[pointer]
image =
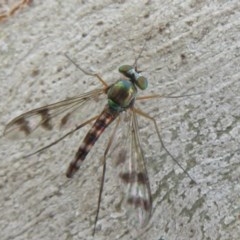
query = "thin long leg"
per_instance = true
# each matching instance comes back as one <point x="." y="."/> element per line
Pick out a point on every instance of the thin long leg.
<point x="138" y="111"/>
<point x="15" y="8"/>
<point x="64" y="136"/>
<point x="88" y="73"/>
<point x="165" y="96"/>
<point x="144" y="45"/>
<point x="103" y="174"/>
<point x="19" y="5"/>
<point x="149" y="97"/>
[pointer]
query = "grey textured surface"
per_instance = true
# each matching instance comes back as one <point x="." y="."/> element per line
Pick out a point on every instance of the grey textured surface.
<point x="194" y="47"/>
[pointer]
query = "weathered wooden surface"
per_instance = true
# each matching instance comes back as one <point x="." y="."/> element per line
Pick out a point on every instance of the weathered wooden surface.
<point x="194" y="47"/>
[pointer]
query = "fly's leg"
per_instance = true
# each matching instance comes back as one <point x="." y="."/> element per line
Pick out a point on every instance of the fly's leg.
<point x="61" y="138"/>
<point x="88" y="73"/>
<point x="110" y="141"/>
<point x="143" y="114"/>
<point x="15" y="8"/>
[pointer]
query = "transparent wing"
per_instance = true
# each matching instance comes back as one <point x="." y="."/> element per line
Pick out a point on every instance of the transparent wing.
<point x="133" y="172"/>
<point x="55" y="116"/>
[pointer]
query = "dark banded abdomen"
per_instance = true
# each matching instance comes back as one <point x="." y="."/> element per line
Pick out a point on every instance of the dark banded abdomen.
<point x="104" y="119"/>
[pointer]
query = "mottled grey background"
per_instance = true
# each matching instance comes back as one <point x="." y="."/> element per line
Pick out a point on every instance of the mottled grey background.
<point x="193" y="48"/>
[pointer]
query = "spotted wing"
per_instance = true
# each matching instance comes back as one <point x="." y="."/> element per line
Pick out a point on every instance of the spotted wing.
<point x="51" y="117"/>
<point x="133" y="172"/>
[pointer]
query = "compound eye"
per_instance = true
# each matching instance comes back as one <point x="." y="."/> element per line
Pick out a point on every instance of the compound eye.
<point x="126" y="70"/>
<point x="142" y="82"/>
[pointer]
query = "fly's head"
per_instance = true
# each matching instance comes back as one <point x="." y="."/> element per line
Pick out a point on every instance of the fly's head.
<point x="135" y="76"/>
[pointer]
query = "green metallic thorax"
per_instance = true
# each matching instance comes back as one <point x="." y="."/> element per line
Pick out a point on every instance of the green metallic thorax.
<point x="121" y="95"/>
